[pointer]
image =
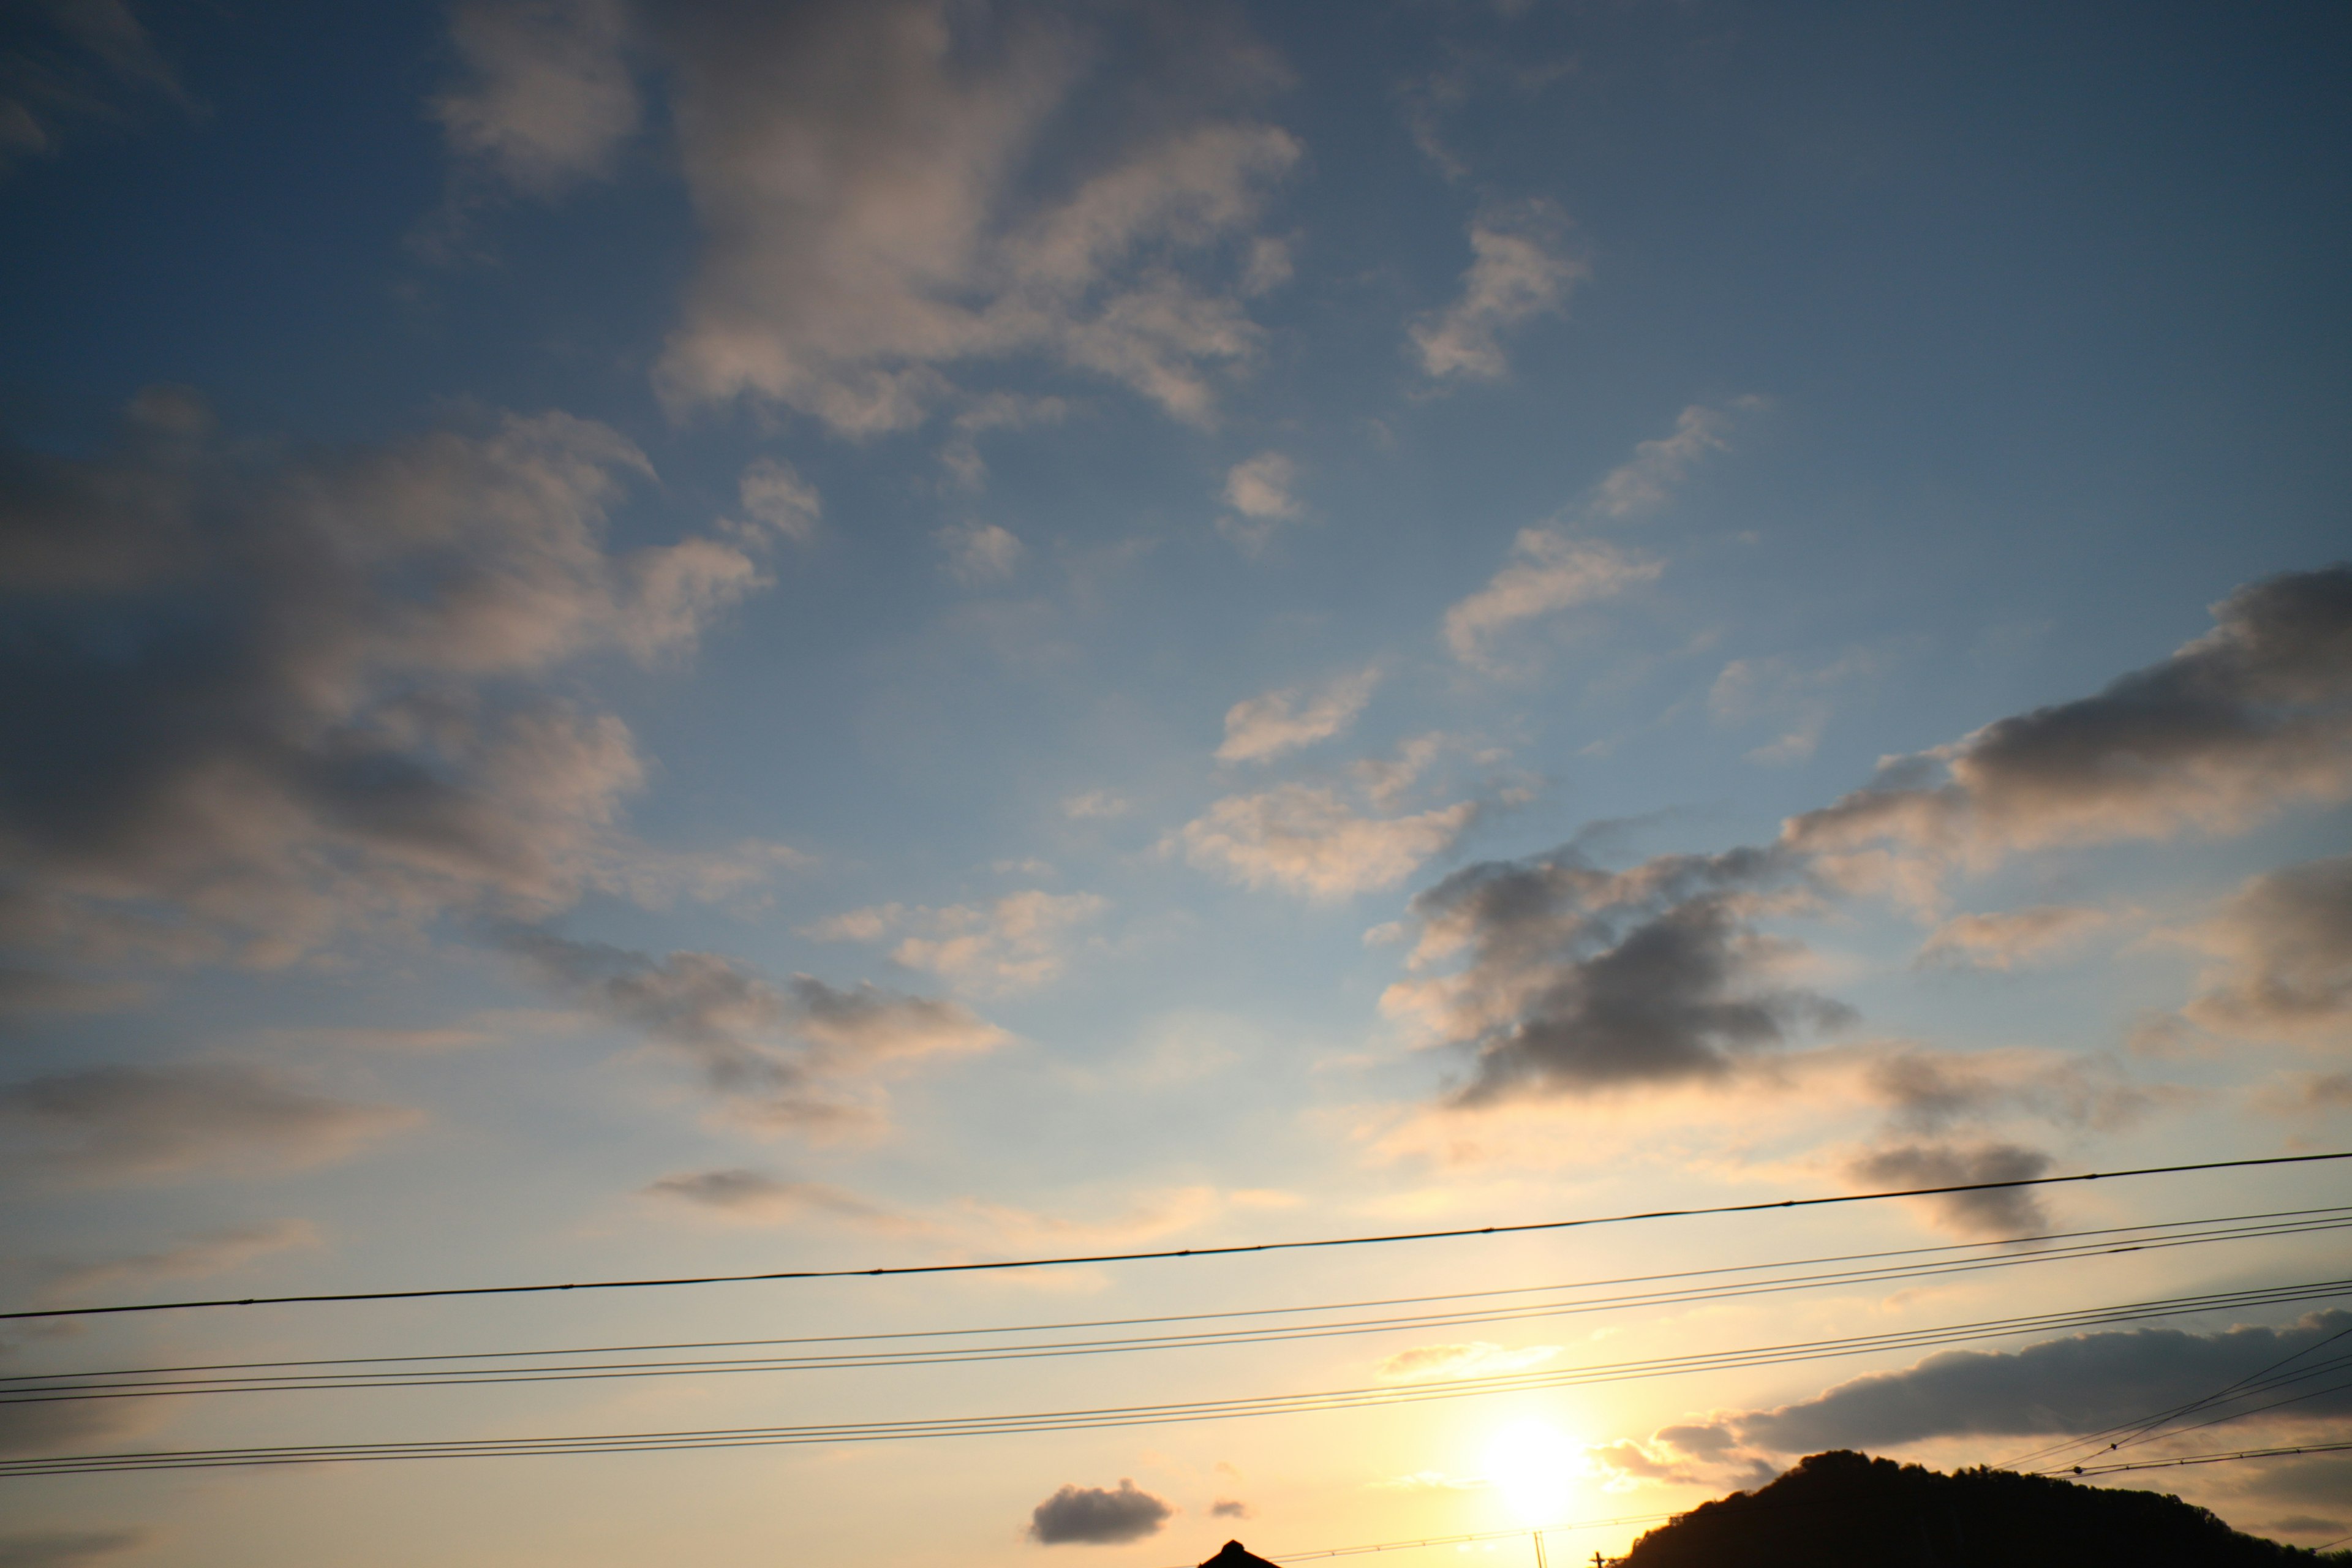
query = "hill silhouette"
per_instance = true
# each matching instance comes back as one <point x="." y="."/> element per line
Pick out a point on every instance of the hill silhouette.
<point x="1842" y="1510"/>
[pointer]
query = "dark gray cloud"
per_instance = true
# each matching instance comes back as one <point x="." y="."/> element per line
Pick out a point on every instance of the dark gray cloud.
<point x="2014" y="1211"/>
<point x="756" y="1196"/>
<point x="1580" y="979"/>
<point x="65" y="1548"/>
<point x="69" y="1425"/>
<point x="2255" y="714"/>
<point x="1928" y="1091"/>
<point x="248" y="698"/>
<point x="2086" y="1382"/>
<point x="1097" y="1516"/>
<point x="2283" y="947"/>
<point x="114" y="1122"/>
<point x="803" y="1053"/>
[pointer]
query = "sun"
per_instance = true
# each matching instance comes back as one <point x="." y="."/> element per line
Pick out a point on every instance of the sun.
<point x="1535" y="1467"/>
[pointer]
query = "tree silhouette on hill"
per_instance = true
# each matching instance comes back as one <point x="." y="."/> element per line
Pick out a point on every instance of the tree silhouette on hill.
<point x="1842" y="1510"/>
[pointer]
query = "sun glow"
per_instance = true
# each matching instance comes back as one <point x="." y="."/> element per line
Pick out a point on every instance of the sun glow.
<point x="1535" y="1467"/>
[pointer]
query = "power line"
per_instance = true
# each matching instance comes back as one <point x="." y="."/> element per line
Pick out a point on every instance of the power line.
<point x="412" y="1295"/>
<point x="408" y="1372"/>
<point x="2210" y="1458"/>
<point x="1159" y="1414"/>
<point x="2147" y="1427"/>
<point x="2121" y="1239"/>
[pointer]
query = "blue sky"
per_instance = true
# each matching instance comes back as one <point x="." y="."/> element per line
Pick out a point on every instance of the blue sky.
<point x="696" y="637"/>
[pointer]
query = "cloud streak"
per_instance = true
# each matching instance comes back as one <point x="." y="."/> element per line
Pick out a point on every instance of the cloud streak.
<point x="804" y="1056"/>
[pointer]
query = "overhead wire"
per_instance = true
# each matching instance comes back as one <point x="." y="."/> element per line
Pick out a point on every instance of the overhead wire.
<point x="409" y="1372"/>
<point x="1168" y="1253"/>
<point x="1092" y="1418"/>
<point x="2146" y="1428"/>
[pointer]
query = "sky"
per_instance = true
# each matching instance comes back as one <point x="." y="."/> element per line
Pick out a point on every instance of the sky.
<point x="677" y="637"/>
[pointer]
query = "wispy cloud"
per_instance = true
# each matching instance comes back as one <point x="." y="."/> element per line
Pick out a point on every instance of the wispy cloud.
<point x="1522" y="268"/>
<point x="114" y="1123"/>
<point x="1260" y="728"/>
<point x="1549" y="572"/>
<point x="1017" y="942"/>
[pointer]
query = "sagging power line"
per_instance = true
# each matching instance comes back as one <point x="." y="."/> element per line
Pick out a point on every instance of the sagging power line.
<point x="1164" y="1254"/>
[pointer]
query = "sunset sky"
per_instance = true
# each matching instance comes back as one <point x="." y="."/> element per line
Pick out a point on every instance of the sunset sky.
<point x="657" y="638"/>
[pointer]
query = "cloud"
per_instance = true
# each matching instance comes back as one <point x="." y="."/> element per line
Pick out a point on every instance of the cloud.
<point x="996" y="410"/>
<point x="804" y="1054"/>
<point x="1647" y="480"/>
<point x="1549" y="572"/>
<point x="2009" y="938"/>
<point x="277" y="697"/>
<point x="1308" y="839"/>
<point x="1096" y="805"/>
<point x="548" y="95"/>
<point x="1097" y="1516"/>
<point x="218" y="1252"/>
<point x="2282" y="957"/>
<point x="1932" y="1091"/>
<point x="1521" y="270"/>
<point x="1475" y="1359"/>
<point x="1259" y="727"/>
<point x="74" y="64"/>
<point x="2250" y="718"/>
<point x="773" y="491"/>
<point x="1229" y="1508"/>
<point x="980" y="553"/>
<point x="874" y="212"/>
<point x="2002" y="1212"/>
<point x="111" y="1123"/>
<point x="65" y="1548"/>
<point x="1260" y="490"/>
<point x="2082" y="1384"/>
<point x="1793" y="694"/>
<point x="755" y="1197"/>
<point x="1017" y="942"/>
<point x="1579" y="979"/>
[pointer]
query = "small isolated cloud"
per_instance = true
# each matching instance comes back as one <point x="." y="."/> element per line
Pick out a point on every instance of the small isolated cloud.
<point x="1521" y="270"/>
<point x="804" y="1054"/>
<point x="1229" y="1508"/>
<point x="1017" y="942"/>
<point x="1983" y="1215"/>
<point x="547" y="96"/>
<point x="773" y="491"/>
<point x="2013" y="936"/>
<point x="116" y="1122"/>
<point x="2251" y="717"/>
<point x="978" y="553"/>
<point x="1260" y="490"/>
<point x="2282" y="948"/>
<point x="1580" y="979"/>
<point x="756" y="1197"/>
<point x="1309" y="840"/>
<point x="1549" y="572"/>
<point x="1259" y="727"/>
<point x="66" y="1548"/>
<point x="1096" y="805"/>
<point x="1475" y="1359"/>
<point x="1097" y="1516"/>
